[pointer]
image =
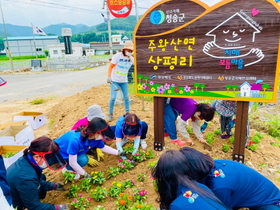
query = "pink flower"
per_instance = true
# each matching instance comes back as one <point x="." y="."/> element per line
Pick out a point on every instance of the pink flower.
<point x="132" y="182"/>
<point x="187" y="88"/>
<point x="120" y="160"/>
<point x="75" y="200"/>
<point x="89" y="199"/>
<point x="172" y="85"/>
<point x="166" y="86"/>
<point x="144" y="86"/>
<point x="151" y="83"/>
<point x="122" y="166"/>
<point x="160" y="89"/>
<point x="80" y="195"/>
<point x="143" y="192"/>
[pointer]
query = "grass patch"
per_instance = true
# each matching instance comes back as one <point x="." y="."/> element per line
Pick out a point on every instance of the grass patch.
<point x="38" y="101"/>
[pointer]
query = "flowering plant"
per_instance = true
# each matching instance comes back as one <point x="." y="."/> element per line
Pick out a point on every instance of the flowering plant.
<point x="128" y="148"/>
<point x="124" y="201"/>
<point x="151" y="164"/>
<point x="112" y="172"/>
<point x="97" y="177"/>
<point x="139" y="194"/>
<point x="99" y="194"/>
<point x="80" y="202"/>
<point x="141" y="177"/>
<point x="128" y="183"/>
<point x="73" y="191"/>
<point x="149" y="154"/>
<point x="116" y="189"/>
<point x="85" y="184"/>
<point x="138" y="205"/>
<point x="125" y="165"/>
<point x="69" y="176"/>
<point x="139" y="156"/>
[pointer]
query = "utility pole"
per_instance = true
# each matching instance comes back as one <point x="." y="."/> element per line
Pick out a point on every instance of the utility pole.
<point x="7" y="42"/>
<point x="109" y="27"/>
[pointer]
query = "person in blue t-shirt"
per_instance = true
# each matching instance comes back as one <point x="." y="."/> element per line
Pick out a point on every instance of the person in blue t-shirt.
<point x="75" y="143"/>
<point x="5" y="194"/>
<point x="178" y="192"/>
<point x="129" y="126"/>
<point x="235" y="184"/>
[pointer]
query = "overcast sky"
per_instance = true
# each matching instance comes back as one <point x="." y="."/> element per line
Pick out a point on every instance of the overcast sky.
<point x="43" y="13"/>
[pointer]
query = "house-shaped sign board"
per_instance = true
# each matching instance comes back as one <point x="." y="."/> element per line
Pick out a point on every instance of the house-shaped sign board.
<point x="229" y="51"/>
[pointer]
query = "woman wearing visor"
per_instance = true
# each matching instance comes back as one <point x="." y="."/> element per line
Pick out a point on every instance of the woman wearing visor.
<point x="75" y="143"/>
<point x="130" y="127"/>
<point x="28" y="184"/>
<point x="176" y="190"/>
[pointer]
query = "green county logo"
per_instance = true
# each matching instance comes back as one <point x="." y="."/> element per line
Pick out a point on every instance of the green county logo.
<point x="157" y="17"/>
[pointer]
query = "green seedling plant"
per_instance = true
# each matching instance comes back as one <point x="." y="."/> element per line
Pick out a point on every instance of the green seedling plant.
<point x="81" y="202"/>
<point x="278" y="171"/>
<point x="139" y="157"/>
<point x="99" y="194"/>
<point x="149" y="154"/>
<point x="262" y="165"/>
<point x="125" y="165"/>
<point x="97" y="177"/>
<point x="141" y="206"/>
<point x="253" y="147"/>
<point x="9" y="154"/>
<point x="218" y="132"/>
<point x="73" y="191"/>
<point x="128" y="148"/>
<point x="190" y="131"/>
<point x="124" y="201"/>
<point x="141" y="177"/>
<point x="112" y="172"/>
<point x="85" y="184"/>
<point x="255" y="139"/>
<point x="128" y="183"/>
<point x="99" y="208"/>
<point x="231" y="139"/>
<point x="140" y="194"/>
<point x="116" y="189"/>
<point x="210" y="138"/>
<point x="152" y="164"/>
<point x="260" y="135"/>
<point x="69" y="176"/>
<point x="226" y="148"/>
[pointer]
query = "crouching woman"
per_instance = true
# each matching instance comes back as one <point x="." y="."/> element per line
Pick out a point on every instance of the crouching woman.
<point x="28" y="184"/>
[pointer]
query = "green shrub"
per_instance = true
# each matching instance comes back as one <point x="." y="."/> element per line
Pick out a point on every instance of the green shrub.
<point x="38" y="101"/>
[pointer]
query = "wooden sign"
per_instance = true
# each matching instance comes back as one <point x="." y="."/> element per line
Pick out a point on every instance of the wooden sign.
<point x="120" y="8"/>
<point x="229" y="51"/>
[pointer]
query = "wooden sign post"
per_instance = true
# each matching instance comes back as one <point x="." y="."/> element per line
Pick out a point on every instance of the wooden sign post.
<point x="228" y="51"/>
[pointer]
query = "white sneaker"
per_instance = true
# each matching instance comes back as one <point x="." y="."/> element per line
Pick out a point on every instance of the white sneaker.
<point x="143" y="144"/>
<point x="124" y="141"/>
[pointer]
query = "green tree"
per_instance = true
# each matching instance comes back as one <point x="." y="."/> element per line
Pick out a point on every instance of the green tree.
<point x="234" y="87"/>
<point x="146" y="79"/>
<point x="46" y="53"/>
<point x="202" y="86"/>
<point x="140" y="77"/>
<point x="196" y="85"/>
<point x="228" y="87"/>
<point x="265" y="87"/>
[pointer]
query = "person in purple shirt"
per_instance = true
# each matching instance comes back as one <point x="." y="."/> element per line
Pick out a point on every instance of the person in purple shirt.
<point x="235" y="184"/>
<point x="185" y="108"/>
<point x="176" y="190"/>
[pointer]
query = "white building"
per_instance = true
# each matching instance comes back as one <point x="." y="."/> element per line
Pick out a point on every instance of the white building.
<point x="22" y="46"/>
<point x="58" y="50"/>
<point x="117" y="38"/>
<point x="245" y="89"/>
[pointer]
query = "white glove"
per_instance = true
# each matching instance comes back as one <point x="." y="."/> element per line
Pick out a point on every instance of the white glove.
<point x="109" y="80"/>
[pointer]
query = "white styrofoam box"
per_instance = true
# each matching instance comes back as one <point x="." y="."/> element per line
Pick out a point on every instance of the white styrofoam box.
<point x="36" y="119"/>
<point x="17" y="135"/>
<point x="12" y="148"/>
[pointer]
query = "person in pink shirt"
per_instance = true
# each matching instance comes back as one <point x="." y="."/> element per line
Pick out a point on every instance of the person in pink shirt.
<point x="93" y="111"/>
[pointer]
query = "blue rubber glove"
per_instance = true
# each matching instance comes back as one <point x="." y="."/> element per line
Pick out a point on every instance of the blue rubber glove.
<point x="203" y="127"/>
<point x="231" y="124"/>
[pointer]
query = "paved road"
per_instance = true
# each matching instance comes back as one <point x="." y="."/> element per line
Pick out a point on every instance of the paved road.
<point x="43" y="84"/>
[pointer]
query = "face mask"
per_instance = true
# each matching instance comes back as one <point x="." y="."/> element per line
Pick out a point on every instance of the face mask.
<point x="128" y="53"/>
<point x="43" y="165"/>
